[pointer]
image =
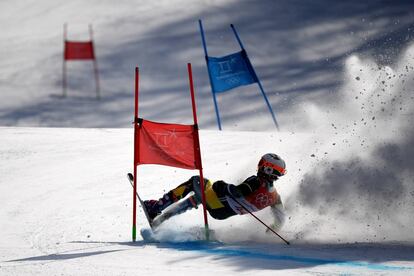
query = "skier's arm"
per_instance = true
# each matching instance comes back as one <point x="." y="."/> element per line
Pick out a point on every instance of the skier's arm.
<point x="247" y="187"/>
<point x="234" y="191"/>
<point x="278" y="213"/>
<point x="222" y="188"/>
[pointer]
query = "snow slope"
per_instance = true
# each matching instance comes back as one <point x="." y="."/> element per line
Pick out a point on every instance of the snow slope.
<point x="66" y="209"/>
<point x="298" y="50"/>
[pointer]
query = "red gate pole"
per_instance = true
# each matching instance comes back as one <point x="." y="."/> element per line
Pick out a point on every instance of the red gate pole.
<point x="134" y="204"/>
<point x="198" y="151"/>
<point x="95" y="64"/>
<point x="64" y="60"/>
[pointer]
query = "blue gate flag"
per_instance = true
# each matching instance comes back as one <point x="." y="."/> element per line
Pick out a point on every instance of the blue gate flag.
<point x="230" y="71"/>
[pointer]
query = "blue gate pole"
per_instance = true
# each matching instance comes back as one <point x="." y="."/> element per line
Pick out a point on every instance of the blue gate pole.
<point x="258" y="80"/>
<point x="208" y="70"/>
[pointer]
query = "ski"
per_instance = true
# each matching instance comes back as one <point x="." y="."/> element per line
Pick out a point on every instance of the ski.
<point x="131" y="181"/>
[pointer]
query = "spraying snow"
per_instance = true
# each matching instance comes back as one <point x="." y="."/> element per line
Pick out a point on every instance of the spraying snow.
<point x="360" y="186"/>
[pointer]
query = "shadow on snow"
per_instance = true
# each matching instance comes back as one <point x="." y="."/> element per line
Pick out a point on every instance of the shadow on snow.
<point x="248" y="256"/>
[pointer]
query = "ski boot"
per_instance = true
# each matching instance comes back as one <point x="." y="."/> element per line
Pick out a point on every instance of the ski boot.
<point x="153" y="208"/>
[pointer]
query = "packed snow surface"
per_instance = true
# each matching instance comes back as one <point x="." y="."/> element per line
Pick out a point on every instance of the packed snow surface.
<point x="66" y="209"/>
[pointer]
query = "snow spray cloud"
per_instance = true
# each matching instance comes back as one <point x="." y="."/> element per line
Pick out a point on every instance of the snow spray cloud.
<point x="362" y="187"/>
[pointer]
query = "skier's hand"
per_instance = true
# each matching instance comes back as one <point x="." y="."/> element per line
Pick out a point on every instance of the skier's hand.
<point x="278" y="217"/>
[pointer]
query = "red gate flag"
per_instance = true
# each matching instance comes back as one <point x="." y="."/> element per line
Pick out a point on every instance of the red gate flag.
<point x="168" y="144"/>
<point x="79" y="50"/>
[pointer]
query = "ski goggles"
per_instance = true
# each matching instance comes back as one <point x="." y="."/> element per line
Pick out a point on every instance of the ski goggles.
<point x="273" y="169"/>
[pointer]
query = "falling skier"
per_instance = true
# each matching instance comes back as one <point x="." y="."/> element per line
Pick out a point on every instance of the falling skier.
<point x="224" y="200"/>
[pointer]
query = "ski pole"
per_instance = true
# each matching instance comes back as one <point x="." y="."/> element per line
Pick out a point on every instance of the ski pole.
<point x="268" y="227"/>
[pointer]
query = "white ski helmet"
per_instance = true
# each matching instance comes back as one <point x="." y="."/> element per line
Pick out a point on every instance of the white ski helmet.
<point x="271" y="165"/>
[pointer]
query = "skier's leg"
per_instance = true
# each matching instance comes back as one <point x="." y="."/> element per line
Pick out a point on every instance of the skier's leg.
<point x="192" y="201"/>
<point x="155" y="207"/>
<point x="176" y="209"/>
<point x="197" y="187"/>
